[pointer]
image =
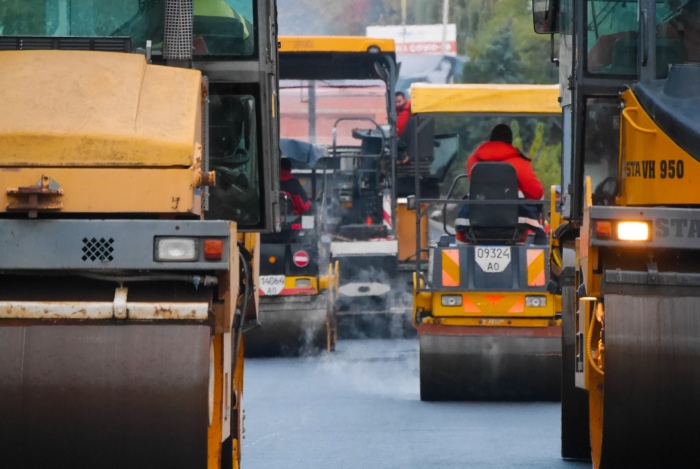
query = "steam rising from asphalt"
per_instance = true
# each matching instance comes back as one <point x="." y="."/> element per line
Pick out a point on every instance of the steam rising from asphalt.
<point x="383" y="368"/>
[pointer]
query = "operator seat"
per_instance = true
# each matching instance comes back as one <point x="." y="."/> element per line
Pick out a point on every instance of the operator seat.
<point x="493" y="223"/>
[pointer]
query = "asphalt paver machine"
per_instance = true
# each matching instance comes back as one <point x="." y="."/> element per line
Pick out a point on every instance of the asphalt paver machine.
<point x="138" y="165"/>
<point x="488" y="328"/>
<point x="338" y="94"/>
<point x="629" y="74"/>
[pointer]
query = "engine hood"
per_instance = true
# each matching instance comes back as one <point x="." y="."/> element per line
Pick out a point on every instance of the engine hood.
<point x="82" y="108"/>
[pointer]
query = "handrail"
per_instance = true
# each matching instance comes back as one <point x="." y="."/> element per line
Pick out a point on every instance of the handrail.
<point x="634" y="125"/>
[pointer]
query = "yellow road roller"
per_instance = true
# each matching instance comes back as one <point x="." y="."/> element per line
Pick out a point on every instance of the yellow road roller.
<point x="629" y="243"/>
<point x="488" y="327"/>
<point x="138" y="165"/>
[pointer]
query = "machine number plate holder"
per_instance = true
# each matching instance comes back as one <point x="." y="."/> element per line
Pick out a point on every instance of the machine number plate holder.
<point x="272" y="285"/>
<point x="492" y="259"/>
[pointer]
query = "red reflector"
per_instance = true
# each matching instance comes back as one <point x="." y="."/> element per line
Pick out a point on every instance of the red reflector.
<point x="213" y="249"/>
<point x="296" y="226"/>
<point x="603" y="229"/>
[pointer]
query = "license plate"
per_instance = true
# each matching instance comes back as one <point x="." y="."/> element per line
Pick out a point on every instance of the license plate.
<point x="272" y="285"/>
<point x="492" y="259"/>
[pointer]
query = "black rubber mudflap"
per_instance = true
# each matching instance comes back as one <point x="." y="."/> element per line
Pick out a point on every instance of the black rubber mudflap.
<point x="489" y="368"/>
<point x="104" y="396"/>
<point x="575" y="431"/>
<point x="652" y="382"/>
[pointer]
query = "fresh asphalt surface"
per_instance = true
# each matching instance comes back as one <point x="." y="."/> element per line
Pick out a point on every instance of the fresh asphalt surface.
<point x="360" y="408"/>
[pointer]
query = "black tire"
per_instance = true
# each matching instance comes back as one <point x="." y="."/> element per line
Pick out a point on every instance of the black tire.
<point x="575" y="431"/>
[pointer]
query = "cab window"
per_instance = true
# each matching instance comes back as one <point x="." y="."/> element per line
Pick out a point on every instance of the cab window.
<point x="612" y="38"/>
<point x="234" y="156"/>
<point x="677" y="34"/>
<point x="224" y="27"/>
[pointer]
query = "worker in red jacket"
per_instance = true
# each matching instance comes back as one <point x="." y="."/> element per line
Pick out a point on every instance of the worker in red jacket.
<point x="293" y="188"/>
<point x="403" y="111"/>
<point x="500" y="149"/>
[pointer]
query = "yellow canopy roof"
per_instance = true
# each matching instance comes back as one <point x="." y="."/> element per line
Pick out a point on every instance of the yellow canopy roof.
<point x="334" y="44"/>
<point x="485" y="99"/>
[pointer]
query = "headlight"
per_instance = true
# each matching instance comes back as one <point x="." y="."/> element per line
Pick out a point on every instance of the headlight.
<point x="451" y="300"/>
<point x="302" y="283"/>
<point x="176" y="249"/>
<point x="633" y="231"/>
<point x="535" y="301"/>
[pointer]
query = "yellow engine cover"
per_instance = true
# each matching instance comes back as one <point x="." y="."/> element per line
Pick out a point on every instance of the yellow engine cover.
<point x="81" y="108"/>
<point x="654" y="170"/>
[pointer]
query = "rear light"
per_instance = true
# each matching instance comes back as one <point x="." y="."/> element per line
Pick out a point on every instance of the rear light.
<point x="451" y="300"/>
<point x="296" y="226"/>
<point x="369" y="220"/>
<point x="603" y="229"/>
<point x="633" y="231"/>
<point x="302" y="283"/>
<point x="213" y="249"/>
<point x="535" y="301"/>
<point x="176" y="249"/>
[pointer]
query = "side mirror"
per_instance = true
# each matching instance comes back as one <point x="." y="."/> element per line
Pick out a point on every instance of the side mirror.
<point x="545" y="16"/>
<point x="411" y="202"/>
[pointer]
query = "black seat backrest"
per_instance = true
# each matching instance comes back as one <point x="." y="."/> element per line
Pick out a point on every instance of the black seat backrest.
<point x="493" y="181"/>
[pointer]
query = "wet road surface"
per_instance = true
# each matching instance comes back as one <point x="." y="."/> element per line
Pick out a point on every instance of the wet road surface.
<point x="360" y="408"/>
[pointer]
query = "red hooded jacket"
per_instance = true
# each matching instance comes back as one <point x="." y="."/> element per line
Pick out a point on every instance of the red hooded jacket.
<point x="501" y="152"/>
<point x="402" y="115"/>
<point x="293" y="188"/>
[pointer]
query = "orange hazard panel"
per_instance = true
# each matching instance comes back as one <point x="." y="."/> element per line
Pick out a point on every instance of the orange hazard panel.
<point x="450" y="268"/>
<point x="535" y="267"/>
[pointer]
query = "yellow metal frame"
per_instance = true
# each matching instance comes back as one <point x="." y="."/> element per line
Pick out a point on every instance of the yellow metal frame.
<point x="347" y="44"/>
<point x="492" y="304"/>
<point x="494" y="322"/>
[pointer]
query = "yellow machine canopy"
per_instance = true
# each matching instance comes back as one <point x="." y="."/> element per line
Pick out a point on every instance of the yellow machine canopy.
<point x="346" y="44"/>
<point x="334" y="57"/>
<point x="485" y="99"/>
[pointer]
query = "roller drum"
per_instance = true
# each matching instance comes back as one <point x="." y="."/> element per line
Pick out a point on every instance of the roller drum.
<point x="489" y="367"/>
<point x="290" y="326"/>
<point x="575" y="432"/>
<point x="652" y="382"/>
<point x="107" y="396"/>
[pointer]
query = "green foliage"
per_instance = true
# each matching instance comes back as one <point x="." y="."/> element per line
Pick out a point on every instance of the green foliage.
<point x="505" y="48"/>
<point x="500" y="61"/>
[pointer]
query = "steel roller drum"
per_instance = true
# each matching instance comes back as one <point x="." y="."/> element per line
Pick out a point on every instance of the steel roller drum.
<point x="652" y="382"/>
<point x="289" y="326"/>
<point x="104" y="396"/>
<point x="490" y="364"/>
<point x="575" y="432"/>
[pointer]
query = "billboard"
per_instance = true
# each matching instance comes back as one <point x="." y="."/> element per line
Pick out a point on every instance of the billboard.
<point x="418" y="38"/>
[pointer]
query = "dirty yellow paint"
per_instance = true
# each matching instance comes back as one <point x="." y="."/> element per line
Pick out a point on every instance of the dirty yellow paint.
<point x="84" y="108"/>
<point x="123" y="190"/>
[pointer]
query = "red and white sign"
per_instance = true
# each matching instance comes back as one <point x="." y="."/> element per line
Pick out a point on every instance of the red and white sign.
<point x="418" y="38"/>
<point x="301" y="259"/>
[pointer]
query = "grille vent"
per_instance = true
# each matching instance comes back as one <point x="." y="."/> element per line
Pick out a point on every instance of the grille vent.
<point x="98" y="250"/>
<point x="179" y="18"/>
<point x="104" y="44"/>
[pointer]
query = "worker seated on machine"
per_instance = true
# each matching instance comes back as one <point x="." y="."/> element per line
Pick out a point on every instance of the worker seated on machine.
<point x="293" y="188"/>
<point x="499" y="171"/>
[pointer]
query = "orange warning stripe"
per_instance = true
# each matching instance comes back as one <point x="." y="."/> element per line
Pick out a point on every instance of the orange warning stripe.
<point x="535" y="267"/>
<point x="450" y="268"/>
